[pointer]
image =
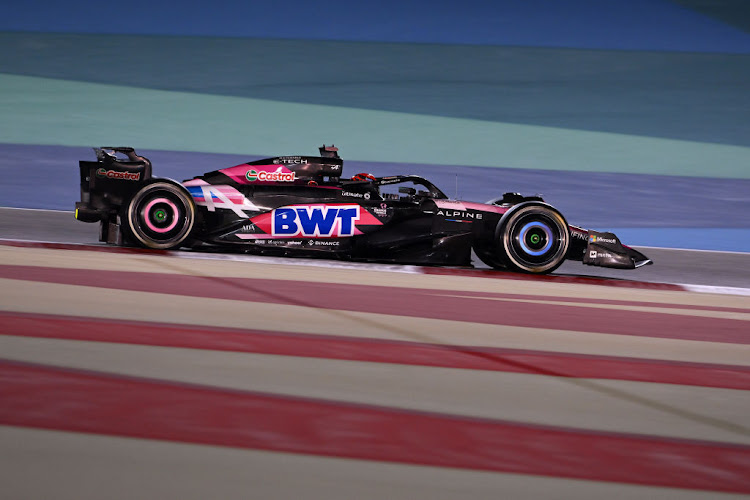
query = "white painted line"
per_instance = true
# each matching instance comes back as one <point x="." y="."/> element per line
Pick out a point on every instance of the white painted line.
<point x="259" y="259"/>
<point x="724" y="290"/>
<point x="690" y="250"/>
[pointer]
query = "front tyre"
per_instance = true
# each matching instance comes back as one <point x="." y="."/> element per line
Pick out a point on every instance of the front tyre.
<point x="160" y="215"/>
<point x="534" y="239"/>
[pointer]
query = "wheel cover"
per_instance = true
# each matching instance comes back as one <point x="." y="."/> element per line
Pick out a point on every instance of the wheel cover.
<point x="161" y="216"/>
<point x="536" y="239"/>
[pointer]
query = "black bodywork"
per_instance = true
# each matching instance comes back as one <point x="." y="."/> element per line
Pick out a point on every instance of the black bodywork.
<point x="303" y="205"/>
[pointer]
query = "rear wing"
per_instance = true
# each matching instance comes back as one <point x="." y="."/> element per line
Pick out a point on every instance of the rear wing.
<point x="105" y="183"/>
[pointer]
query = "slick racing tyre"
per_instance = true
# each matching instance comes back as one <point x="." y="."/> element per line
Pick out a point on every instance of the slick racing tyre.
<point x="160" y="215"/>
<point x="534" y="239"/>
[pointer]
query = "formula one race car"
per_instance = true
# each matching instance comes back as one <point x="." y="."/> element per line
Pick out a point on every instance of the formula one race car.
<point x="301" y="205"/>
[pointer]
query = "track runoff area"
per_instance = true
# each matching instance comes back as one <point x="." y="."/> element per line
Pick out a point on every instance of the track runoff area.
<point x="181" y="375"/>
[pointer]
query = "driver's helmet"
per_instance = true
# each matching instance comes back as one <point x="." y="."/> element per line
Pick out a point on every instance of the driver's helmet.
<point x="363" y="176"/>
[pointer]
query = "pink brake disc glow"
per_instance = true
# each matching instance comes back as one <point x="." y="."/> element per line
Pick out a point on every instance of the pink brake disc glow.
<point x="151" y="225"/>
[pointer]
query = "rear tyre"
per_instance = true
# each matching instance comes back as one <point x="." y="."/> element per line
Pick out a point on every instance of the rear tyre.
<point x="534" y="239"/>
<point x="160" y="215"/>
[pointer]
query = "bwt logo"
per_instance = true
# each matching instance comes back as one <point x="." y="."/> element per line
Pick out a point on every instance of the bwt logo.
<point x="315" y="221"/>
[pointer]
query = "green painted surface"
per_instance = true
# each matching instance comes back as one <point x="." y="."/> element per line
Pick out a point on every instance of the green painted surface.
<point x="58" y="112"/>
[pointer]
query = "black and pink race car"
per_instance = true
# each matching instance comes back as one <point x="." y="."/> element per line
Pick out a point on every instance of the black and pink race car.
<point x="302" y="205"/>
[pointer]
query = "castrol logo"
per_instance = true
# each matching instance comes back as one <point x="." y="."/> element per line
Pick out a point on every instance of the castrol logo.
<point x="254" y="175"/>
<point x="117" y="174"/>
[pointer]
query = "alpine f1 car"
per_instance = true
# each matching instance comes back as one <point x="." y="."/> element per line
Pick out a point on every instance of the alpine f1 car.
<point x="302" y="205"/>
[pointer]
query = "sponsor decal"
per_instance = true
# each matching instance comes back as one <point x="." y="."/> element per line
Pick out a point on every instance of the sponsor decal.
<point x="578" y="234"/>
<point x="117" y="174"/>
<point x="593" y="254"/>
<point x="459" y="213"/>
<point x="390" y="180"/>
<point x="290" y="160"/>
<point x="599" y="239"/>
<point x="253" y="175"/>
<point x="350" y="194"/>
<point x="278" y="243"/>
<point x="381" y="211"/>
<point x="315" y="221"/>
<point x="284" y="243"/>
<point x="248" y="228"/>
<point x="323" y="243"/>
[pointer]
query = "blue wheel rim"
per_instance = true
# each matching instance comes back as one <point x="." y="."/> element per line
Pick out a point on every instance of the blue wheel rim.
<point x="534" y="233"/>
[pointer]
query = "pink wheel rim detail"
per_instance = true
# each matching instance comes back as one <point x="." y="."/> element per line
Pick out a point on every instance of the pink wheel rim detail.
<point x="151" y="225"/>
